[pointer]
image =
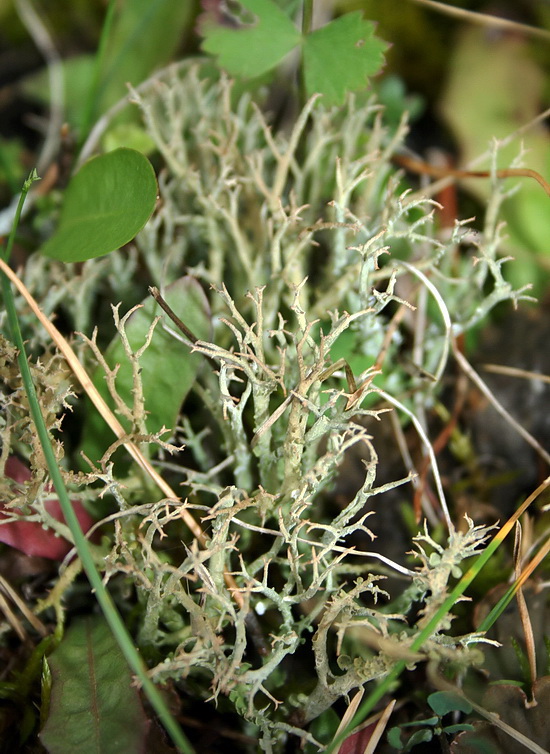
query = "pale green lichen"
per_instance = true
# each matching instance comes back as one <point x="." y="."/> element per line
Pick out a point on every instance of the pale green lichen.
<point x="311" y="243"/>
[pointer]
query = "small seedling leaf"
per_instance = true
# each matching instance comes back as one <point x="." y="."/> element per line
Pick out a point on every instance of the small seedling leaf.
<point x="419" y="737"/>
<point x="94" y="705"/>
<point x="341" y="56"/>
<point x="443" y="702"/>
<point x="450" y="730"/>
<point x="168" y="368"/>
<point x="257" y="45"/>
<point x="394" y="737"/>
<point x="107" y="202"/>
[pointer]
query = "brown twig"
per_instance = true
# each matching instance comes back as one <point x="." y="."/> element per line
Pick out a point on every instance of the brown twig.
<point x="434" y="171"/>
<point x="155" y="293"/>
<point x="485" y="19"/>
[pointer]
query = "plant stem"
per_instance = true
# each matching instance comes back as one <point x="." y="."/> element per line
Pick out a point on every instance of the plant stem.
<point x="307" y="16"/>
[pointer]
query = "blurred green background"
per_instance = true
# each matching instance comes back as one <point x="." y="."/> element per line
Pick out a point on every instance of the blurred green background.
<point x="464" y="85"/>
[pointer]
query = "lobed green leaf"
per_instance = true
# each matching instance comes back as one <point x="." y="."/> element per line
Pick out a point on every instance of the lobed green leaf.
<point x="253" y="49"/>
<point x="341" y="56"/>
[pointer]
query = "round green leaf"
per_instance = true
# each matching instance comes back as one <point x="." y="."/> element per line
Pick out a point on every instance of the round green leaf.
<point x="107" y="202"/>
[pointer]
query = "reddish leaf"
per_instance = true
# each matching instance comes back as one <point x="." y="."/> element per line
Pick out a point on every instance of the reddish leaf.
<point x="30" y="536"/>
<point x="357" y="742"/>
<point x="16" y="470"/>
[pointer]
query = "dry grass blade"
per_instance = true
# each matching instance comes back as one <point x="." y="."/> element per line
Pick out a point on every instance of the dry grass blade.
<point x="349" y="713"/>
<point x="35" y="622"/>
<point x="444" y="685"/>
<point x="94" y="395"/>
<point x="379" y="729"/>
<point x="493" y="718"/>
<point x="12" y="618"/>
<point x="524" y="614"/>
<point x="533" y="564"/>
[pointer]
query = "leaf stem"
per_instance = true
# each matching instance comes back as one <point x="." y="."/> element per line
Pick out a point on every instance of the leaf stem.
<point x="307" y="17"/>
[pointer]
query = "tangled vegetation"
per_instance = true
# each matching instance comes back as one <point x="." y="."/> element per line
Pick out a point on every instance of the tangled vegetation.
<point x="301" y="295"/>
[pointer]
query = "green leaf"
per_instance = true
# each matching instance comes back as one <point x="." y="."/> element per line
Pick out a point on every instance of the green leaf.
<point x="341" y="56"/>
<point x="168" y="368"/>
<point x="394" y="737"/>
<point x="443" y="702"/>
<point x="129" y="135"/>
<point x="337" y="58"/>
<point x="256" y="47"/>
<point x="146" y="36"/>
<point x="392" y="94"/>
<point x="107" y="202"/>
<point x="419" y="737"/>
<point x="431" y="721"/>
<point x="94" y="704"/>
<point x="450" y="730"/>
<point x="323" y="727"/>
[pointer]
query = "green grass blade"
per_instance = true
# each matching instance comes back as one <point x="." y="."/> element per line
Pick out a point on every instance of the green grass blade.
<point x="103" y="597"/>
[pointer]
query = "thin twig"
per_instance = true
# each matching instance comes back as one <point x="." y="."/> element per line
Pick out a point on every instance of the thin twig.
<point x="524" y="374"/>
<point x="484" y="19"/>
<point x="435" y="171"/>
<point x="487" y="392"/>
<point x="436" y="187"/>
<point x="155" y="293"/>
